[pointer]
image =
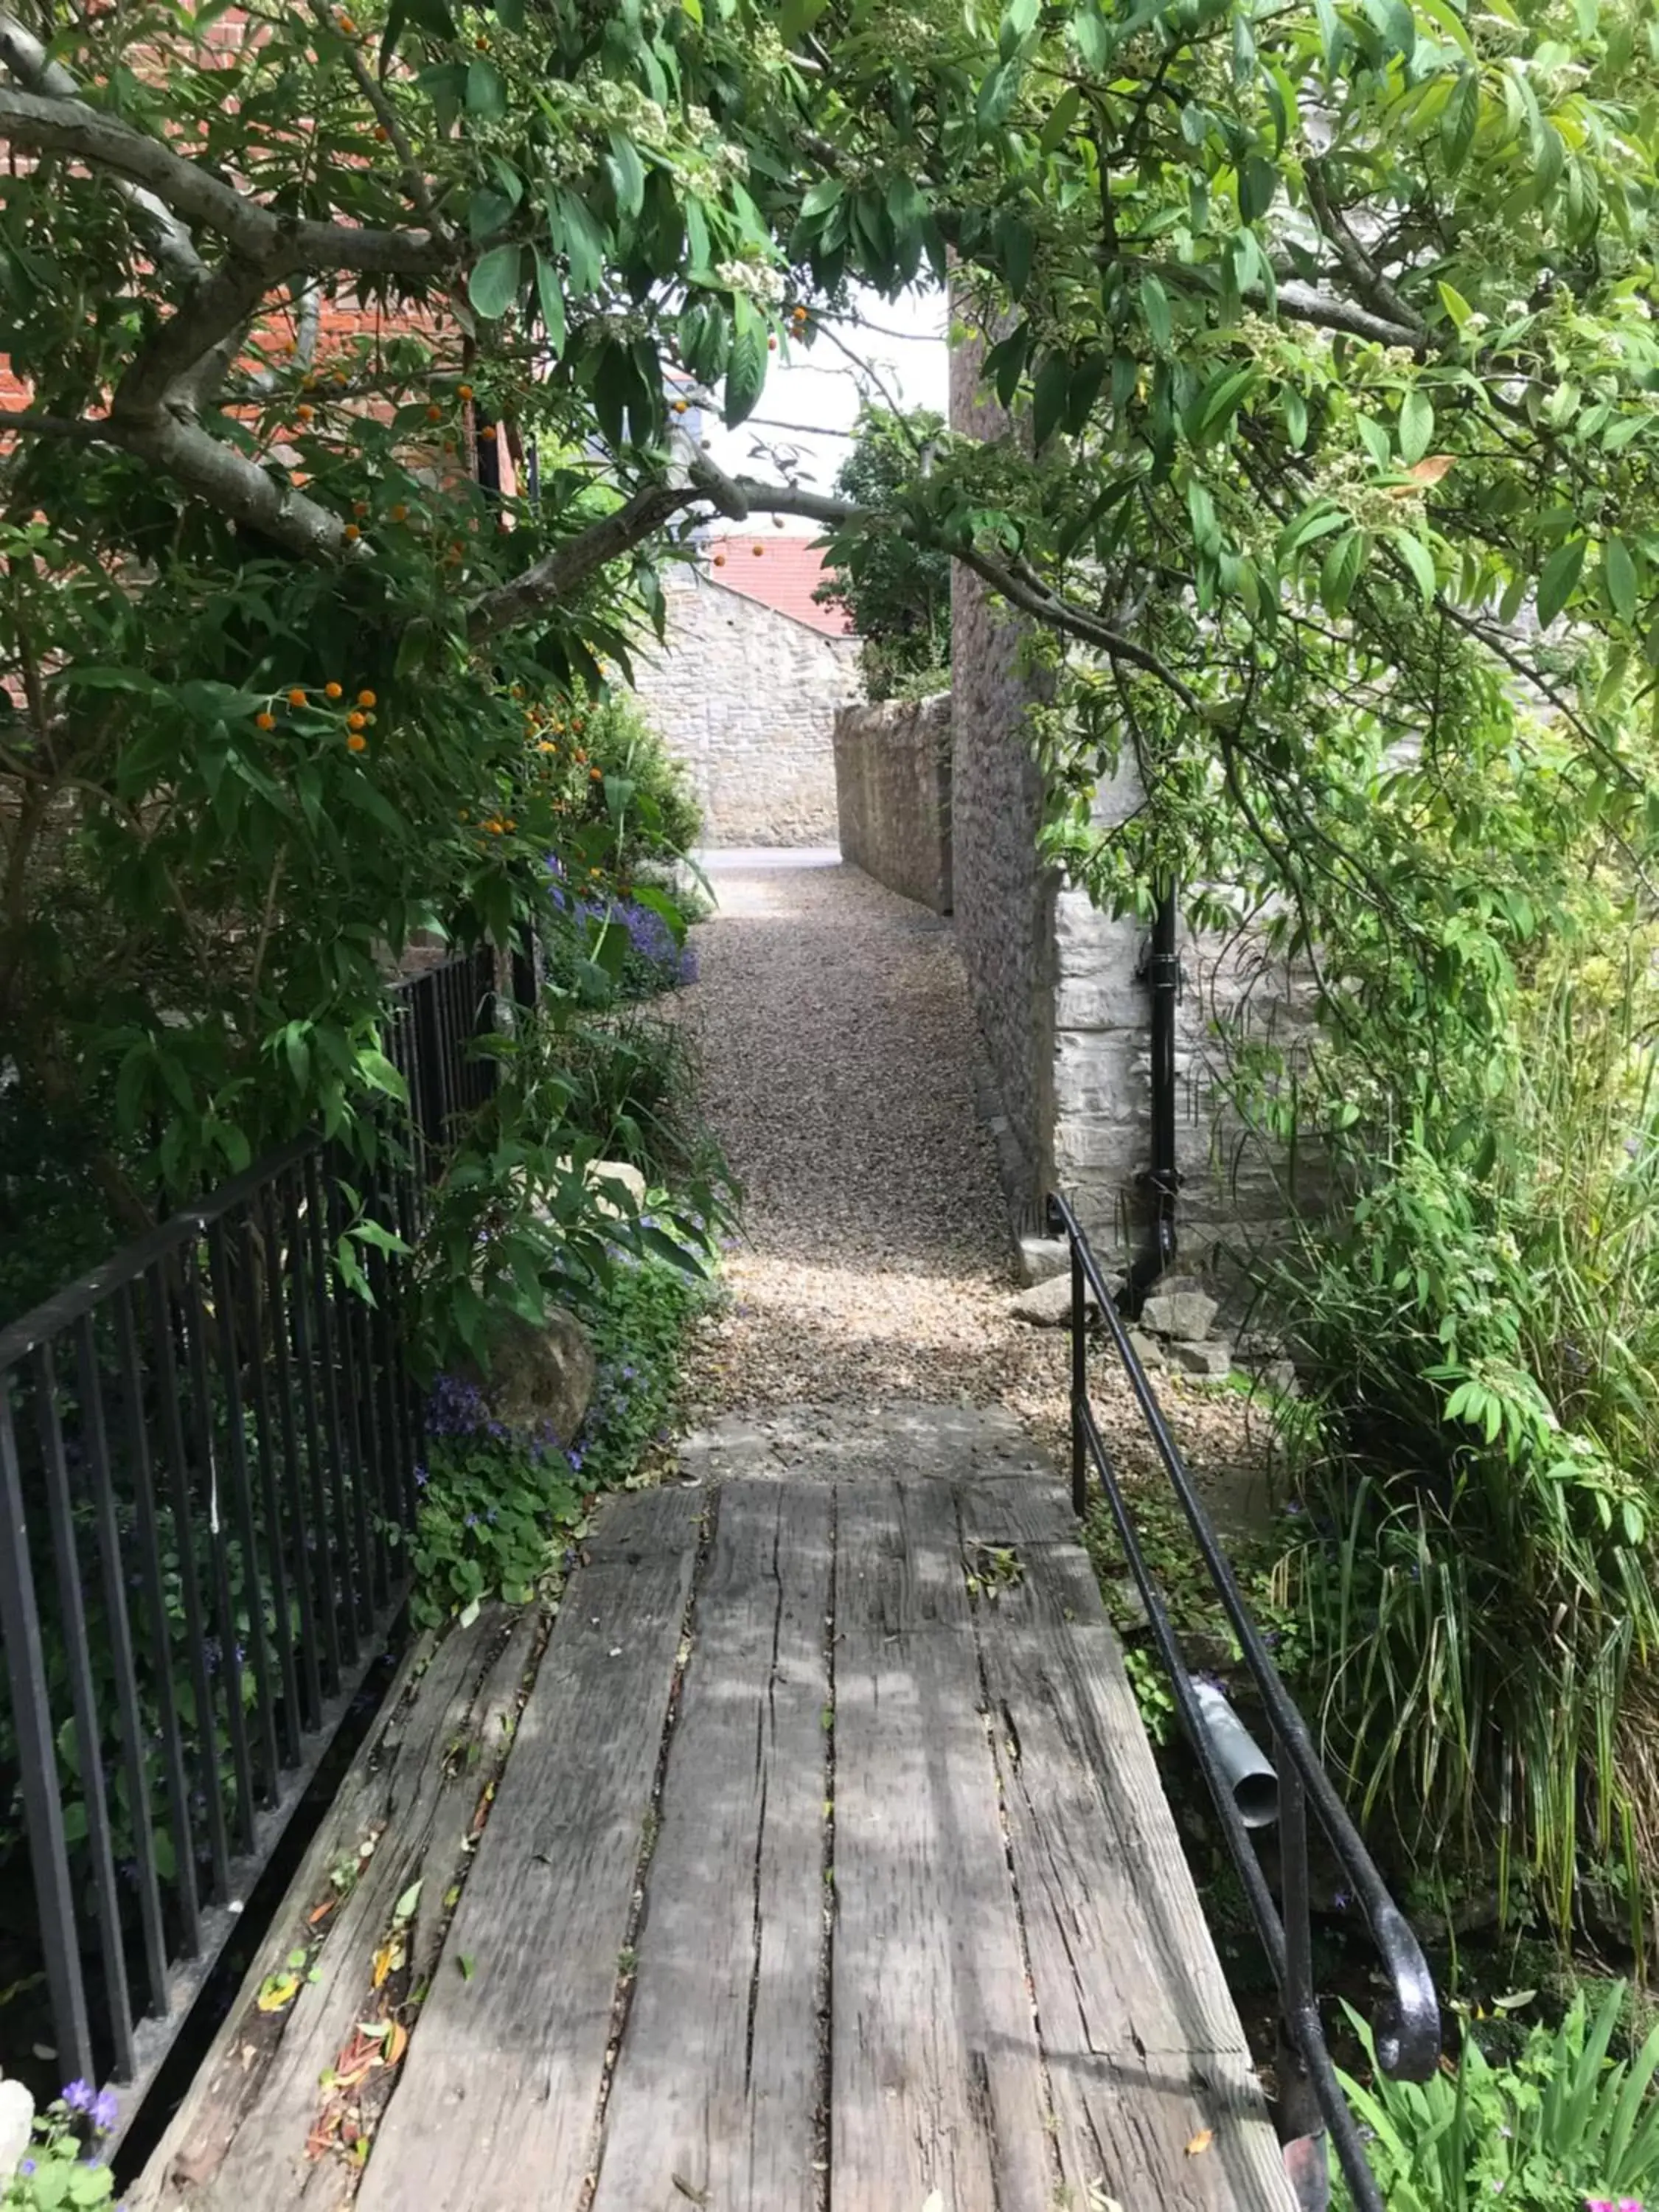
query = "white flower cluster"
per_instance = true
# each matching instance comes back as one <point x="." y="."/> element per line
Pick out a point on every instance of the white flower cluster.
<point x="763" y="284"/>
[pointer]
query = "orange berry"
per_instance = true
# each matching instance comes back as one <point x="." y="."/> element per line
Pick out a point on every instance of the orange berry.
<point x="680" y="406"/>
<point x="463" y="392"/>
<point x="332" y="690"/>
<point x="400" y="514"/>
<point x="771" y="345"/>
<point x="356" y="742"/>
<point x="488" y="434"/>
<point x="297" y="697"/>
<point x="304" y="412"/>
<point x="366" y="699"/>
<point x="595" y="873"/>
<point x="757" y="550"/>
<point x="352" y="533"/>
<point x="434" y="414"/>
<point x="355" y="721"/>
<point x="720" y="560"/>
<point x="547" y="745"/>
<point x="509" y="823"/>
<point x="360" y="508"/>
<point x="265" y="721"/>
<point x="580" y="755"/>
<point x="482" y="43"/>
<point x="596" y="775"/>
<point x="381" y="132"/>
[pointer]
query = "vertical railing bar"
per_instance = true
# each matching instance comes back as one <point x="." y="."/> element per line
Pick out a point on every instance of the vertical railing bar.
<point x="242" y="1488"/>
<point x="257" y="1307"/>
<point x="339" y="1471"/>
<point x="37" y="1758"/>
<point x="107" y="1529"/>
<point x="365" y="1398"/>
<point x="224" y="1610"/>
<point x="1079" y="1385"/>
<point x="149" y="1568"/>
<point x="183" y="1525"/>
<point x="277" y="1245"/>
<point x="348" y="1306"/>
<point x="320" y="1547"/>
<point x="89" y="1741"/>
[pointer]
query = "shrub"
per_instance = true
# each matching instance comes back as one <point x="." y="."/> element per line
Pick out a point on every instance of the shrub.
<point x="1563" y="2128"/>
<point x="498" y="1507"/>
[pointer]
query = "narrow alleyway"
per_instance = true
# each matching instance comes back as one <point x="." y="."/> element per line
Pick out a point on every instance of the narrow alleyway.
<point x="839" y="1066"/>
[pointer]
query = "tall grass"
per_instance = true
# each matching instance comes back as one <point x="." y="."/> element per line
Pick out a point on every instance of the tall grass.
<point x="1483" y="1461"/>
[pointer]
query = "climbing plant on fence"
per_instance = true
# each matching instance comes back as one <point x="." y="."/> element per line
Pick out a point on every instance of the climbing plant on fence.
<point x="1326" y="329"/>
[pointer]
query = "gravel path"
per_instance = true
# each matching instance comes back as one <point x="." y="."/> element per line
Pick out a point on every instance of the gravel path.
<point x="875" y="1261"/>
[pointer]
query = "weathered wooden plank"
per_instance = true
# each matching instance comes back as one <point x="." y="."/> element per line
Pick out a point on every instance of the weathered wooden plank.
<point x="499" y="2099"/>
<point x="936" y="2079"/>
<point x="1142" y="2044"/>
<point x="403" y="1816"/>
<point x="716" y="2090"/>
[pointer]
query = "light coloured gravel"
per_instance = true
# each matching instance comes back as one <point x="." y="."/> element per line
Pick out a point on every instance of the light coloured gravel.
<point x="875" y="1260"/>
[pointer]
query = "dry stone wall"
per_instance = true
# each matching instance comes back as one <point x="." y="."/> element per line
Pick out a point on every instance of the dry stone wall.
<point x="893" y="795"/>
<point x="747" y="698"/>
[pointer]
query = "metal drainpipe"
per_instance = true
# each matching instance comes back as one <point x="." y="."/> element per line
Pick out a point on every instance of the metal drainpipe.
<point x="1161" y="1180"/>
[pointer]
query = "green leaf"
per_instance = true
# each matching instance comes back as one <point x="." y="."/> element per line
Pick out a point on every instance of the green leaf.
<point x="549" y="296"/>
<point x="1048" y="396"/>
<point x="1454" y="305"/>
<point x="486" y="88"/>
<point x="1018" y="21"/>
<point x="1559" y="576"/>
<point x="1620" y="570"/>
<point x="1218" y="401"/>
<point x="1416" y="426"/>
<point x="494" y="284"/>
<point x="797" y="17"/>
<point x="997" y="95"/>
<point x="1418" y="559"/>
<point x="1296" y="418"/>
<point x="1340" y="572"/>
<point x="627" y="173"/>
<point x="468" y="1966"/>
<point x="1092" y="39"/>
<point x="1459" y="120"/>
<point x="1155" y="306"/>
<point x="746" y="364"/>
<point x="1258" y="182"/>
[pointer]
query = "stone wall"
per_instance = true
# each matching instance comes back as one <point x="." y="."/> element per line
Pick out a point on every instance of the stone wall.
<point x="1004" y="901"/>
<point x="893" y="795"/>
<point x="1058" y="988"/>
<point x="747" y="698"/>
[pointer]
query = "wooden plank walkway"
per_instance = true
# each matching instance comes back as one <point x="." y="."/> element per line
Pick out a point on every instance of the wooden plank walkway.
<point x="816" y="1881"/>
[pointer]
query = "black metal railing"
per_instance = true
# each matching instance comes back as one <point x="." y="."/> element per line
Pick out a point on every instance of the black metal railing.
<point x="208" y="1455"/>
<point x="1407" y="2020"/>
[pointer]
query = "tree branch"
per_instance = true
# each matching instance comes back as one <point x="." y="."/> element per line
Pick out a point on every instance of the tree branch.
<point x="25" y="57"/>
<point x="416" y="188"/>
<point x="282" y="243"/>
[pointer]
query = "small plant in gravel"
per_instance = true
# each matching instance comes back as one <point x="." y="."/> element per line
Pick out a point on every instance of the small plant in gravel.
<point x="63" y="2165"/>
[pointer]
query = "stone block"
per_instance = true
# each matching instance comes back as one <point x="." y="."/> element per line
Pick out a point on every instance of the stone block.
<point x="1186" y="1314"/>
<point x="1043" y="1257"/>
<point x="1205" y="1360"/>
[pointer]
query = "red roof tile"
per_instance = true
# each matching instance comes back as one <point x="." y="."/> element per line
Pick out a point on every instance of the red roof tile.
<point x="782" y="572"/>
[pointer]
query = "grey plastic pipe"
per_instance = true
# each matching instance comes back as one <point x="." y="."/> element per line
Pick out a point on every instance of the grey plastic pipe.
<point x="1248" y="1770"/>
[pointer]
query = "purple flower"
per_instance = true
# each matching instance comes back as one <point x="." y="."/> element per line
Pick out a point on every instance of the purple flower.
<point x="105" y="2110"/>
<point x="80" y="2096"/>
<point x="26" y="2166"/>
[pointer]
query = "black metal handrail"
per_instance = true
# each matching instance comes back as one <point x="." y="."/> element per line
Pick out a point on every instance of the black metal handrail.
<point x="1407" y="2020"/>
<point x="208" y="1454"/>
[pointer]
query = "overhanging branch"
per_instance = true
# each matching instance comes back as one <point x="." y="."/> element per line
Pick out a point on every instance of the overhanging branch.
<point x="43" y="125"/>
